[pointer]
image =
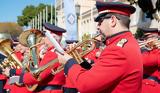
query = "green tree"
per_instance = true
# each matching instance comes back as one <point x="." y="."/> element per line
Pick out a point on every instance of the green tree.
<point x="31" y="11"/>
<point x="84" y="38"/>
<point x="139" y="33"/>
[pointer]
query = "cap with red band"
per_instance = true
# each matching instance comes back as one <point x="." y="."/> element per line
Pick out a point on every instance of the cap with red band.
<point x="54" y="29"/>
<point x="113" y="7"/>
<point x="148" y="31"/>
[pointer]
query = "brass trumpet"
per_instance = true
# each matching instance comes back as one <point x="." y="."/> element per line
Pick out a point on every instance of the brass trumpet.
<point x="152" y="44"/>
<point x="79" y="55"/>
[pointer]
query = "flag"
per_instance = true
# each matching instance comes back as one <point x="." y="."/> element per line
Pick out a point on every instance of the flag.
<point x="70" y="20"/>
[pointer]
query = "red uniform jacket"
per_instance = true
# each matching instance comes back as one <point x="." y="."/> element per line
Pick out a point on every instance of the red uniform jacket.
<point x="92" y="54"/>
<point x="151" y="63"/>
<point x="46" y="77"/>
<point x="117" y="70"/>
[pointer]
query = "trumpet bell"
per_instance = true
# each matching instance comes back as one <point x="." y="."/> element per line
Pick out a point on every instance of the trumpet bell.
<point x="23" y="38"/>
<point x="86" y="46"/>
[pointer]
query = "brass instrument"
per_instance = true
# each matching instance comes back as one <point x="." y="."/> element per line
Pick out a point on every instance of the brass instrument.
<point x="74" y="52"/>
<point x="4" y="64"/>
<point x="152" y="44"/>
<point x="37" y="71"/>
<point x="77" y="55"/>
<point x="5" y="47"/>
<point x="7" y="63"/>
<point x="31" y="39"/>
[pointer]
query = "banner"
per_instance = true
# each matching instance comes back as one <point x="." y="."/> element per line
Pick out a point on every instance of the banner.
<point x="70" y="20"/>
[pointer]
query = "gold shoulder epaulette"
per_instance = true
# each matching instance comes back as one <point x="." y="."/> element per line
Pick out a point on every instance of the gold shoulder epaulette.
<point x="122" y="42"/>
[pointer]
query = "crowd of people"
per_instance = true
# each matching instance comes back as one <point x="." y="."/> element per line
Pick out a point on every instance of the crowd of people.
<point x="119" y="63"/>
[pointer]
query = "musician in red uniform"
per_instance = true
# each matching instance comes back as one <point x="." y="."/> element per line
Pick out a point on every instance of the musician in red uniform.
<point x="19" y="51"/>
<point x="119" y="67"/>
<point x="47" y="82"/>
<point x="151" y="61"/>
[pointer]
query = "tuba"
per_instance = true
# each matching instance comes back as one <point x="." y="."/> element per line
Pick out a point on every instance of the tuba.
<point x="7" y="63"/>
<point x="31" y="39"/>
<point x="5" y="47"/>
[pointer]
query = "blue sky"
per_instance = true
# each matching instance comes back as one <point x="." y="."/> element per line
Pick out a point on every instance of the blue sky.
<point x="10" y="9"/>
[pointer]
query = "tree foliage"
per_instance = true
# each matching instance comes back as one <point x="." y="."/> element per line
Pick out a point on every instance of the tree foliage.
<point x="84" y="38"/>
<point x="30" y="11"/>
<point x="139" y="33"/>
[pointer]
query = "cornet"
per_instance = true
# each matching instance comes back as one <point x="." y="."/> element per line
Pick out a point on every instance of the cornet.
<point x="79" y="55"/>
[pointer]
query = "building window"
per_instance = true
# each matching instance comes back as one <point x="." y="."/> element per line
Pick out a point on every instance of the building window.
<point x="84" y="22"/>
<point x="63" y="5"/>
<point x="87" y="21"/>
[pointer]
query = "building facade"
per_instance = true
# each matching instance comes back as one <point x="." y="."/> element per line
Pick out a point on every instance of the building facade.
<point x="88" y="12"/>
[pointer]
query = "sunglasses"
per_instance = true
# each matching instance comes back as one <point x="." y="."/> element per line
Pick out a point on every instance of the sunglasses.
<point x="105" y="17"/>
<point x="102" y="19"/>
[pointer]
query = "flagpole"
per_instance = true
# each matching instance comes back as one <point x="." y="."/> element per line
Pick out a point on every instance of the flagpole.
<point x="46" y="14"/>
<point x="40" y="21"/>
<point x="55" y="4"/>
<point x="51" y="14"/>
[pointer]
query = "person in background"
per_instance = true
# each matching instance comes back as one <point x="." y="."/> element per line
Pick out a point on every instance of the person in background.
<point x="151" y="60"/>
<point x="19" y="51"/>
<point x="48" y="83"/>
